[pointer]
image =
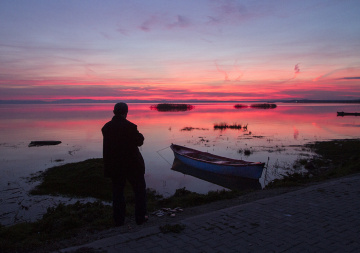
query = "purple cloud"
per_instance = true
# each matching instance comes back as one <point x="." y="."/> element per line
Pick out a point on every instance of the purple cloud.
<point x="213" y="20"/>
<point x="181" y="22"/>
<point x="233" y="11"/>
<point x="163" y="22"/>
<point x="122" y="31"/>
<point x="349" y="78"/>
<point x="149" y="23"/>
<point x="231" y="7"/>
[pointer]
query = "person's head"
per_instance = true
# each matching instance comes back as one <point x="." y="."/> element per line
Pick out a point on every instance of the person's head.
<point x="121" y="109"/>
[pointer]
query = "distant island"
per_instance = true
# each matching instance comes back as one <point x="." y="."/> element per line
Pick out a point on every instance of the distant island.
<point x="256" y="106"/>
<point x="264" y="106"/>
<point x="241" y="106"/>
<point x="323" y="101"/>
<point x="166" y="107"/>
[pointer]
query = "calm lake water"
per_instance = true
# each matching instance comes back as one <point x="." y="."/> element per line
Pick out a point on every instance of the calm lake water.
<point x="273" y="136"/>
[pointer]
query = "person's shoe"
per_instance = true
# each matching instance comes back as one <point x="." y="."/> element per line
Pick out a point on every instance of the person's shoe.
<point x="143" y="220"/>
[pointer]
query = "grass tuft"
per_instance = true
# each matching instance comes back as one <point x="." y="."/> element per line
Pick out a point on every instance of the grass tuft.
<point x="223" y="126"/>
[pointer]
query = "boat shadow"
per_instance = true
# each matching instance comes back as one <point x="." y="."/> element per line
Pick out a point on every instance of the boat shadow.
<point x="229" y="182"/>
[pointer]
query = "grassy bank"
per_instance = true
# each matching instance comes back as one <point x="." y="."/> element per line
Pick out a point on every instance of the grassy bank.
<point x="335" y="158"/>
<point x="79" y="180"/>
<point x="72" y="180"/>
<point x="85" y="179"/>
<point x="82" y="179"/>
<point x="59" y="223"/>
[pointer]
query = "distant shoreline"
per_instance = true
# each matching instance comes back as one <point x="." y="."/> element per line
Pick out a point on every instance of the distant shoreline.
<point x="94" y="101"/>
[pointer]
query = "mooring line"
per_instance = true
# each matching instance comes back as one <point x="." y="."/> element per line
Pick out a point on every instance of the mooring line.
<point x="267" y="164"/>
<point x="162" y="156"/>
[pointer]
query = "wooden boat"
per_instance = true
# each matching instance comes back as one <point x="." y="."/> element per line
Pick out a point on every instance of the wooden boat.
<point x="348" y="114"/>
<point x="217" y="164"/>
<point x="43" y="143"/>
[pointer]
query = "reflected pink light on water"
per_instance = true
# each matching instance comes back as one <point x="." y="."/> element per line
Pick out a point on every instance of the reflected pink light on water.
<point x="79" y="128"/>
<point x="272" y="135"/>
<point x="91" y="117"/>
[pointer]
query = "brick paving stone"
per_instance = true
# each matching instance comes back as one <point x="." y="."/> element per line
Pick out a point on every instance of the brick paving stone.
<point x="148" y="243"/>
<point x="181" y="244"/>
<point x="319" y="218"/>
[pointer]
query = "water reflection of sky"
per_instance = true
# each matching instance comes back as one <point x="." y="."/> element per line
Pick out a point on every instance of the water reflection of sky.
<point x="273" y="134"/>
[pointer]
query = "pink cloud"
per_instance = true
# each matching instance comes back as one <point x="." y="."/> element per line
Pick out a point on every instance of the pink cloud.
<point x="297" y="68"/>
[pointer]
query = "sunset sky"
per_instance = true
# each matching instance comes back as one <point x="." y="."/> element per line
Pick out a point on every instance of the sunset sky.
<point x="184" y="50"/>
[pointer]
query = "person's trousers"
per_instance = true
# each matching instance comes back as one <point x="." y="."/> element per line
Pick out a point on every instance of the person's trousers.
<point x="119" y="205"/>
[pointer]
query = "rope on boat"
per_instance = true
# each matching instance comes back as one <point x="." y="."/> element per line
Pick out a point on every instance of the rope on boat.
<point x="267" y="165"/>
<point x="162" y="156"/>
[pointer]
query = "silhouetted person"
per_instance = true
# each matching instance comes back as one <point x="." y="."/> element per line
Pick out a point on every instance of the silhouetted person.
<point x="123" y="161"/>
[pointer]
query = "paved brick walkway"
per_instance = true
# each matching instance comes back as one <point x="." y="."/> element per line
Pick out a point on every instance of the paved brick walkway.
<point x="319" y="218"/>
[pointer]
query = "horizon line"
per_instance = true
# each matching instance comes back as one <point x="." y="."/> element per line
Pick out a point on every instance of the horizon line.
<point x="76" y="101"/>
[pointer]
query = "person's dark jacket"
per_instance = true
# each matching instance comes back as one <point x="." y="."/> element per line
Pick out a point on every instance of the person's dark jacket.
<point x="120" y="148"/>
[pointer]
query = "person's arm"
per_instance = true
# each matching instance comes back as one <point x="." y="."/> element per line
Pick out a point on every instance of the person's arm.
<point x="139" y="138"/>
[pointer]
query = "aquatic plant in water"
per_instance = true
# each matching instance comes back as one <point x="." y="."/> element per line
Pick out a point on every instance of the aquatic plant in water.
<point x="222" y="126"/>
<point x="193" y="128"/>
<point x="246" y="152"/>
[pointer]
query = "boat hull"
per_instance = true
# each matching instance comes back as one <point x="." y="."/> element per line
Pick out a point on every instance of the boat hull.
<point x="252" y="170"/>
<point x="226" y="181"/>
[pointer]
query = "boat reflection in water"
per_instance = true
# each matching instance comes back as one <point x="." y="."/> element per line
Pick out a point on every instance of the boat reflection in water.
<point x="229" y="182"/>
